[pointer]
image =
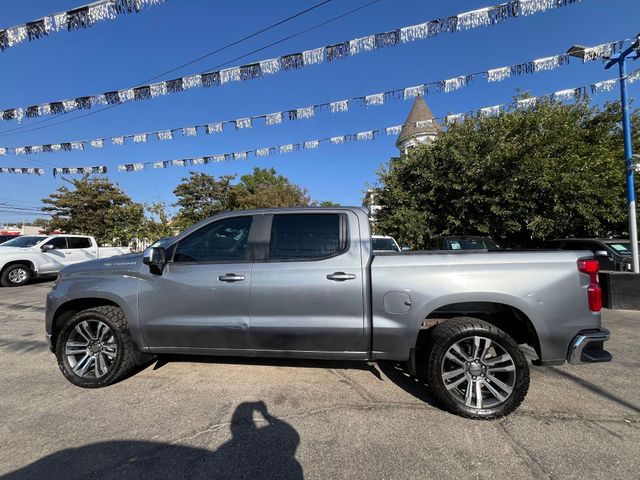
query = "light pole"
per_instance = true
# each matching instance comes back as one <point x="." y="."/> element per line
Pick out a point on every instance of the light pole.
<point x="620" y="59"/>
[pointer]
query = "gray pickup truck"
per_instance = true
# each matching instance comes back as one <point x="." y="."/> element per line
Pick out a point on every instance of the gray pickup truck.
<point x="304" y="283"/>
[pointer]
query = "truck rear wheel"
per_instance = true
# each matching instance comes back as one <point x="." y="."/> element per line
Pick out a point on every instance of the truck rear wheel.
<point x="94" y="348"/>
<point x="475" y="369"/>
<point x="15" y="275"/>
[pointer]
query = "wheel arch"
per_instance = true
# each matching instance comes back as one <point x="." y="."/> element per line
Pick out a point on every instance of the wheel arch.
<point x="29" y="263"/>
<point x="68" y="309"/>
<point x="502" y="314"/>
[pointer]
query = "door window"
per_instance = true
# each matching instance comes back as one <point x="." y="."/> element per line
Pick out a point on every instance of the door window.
<point x="225" y="240"/>
<point x="79" y="242"/>
<point x="306" y="236"/>
<point x="58" y="242"/>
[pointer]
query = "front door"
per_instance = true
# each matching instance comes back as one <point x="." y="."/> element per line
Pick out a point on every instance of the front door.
<point x="307" y="295"/>
<point x="201" y="299"/>
<point x="56" y="259"/>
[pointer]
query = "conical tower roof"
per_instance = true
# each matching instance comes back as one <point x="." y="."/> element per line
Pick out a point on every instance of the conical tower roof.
<point x="419" y="112"/>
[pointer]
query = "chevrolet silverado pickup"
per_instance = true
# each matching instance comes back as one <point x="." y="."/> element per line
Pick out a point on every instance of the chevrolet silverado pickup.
<point x="30" y="256"/>
<point x="304" y="283"/>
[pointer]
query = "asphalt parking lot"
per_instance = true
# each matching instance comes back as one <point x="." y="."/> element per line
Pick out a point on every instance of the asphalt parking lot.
<point x="201" y="418"/>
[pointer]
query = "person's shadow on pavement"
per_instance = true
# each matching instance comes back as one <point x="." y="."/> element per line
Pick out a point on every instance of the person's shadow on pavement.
<point x="253" y="452"/>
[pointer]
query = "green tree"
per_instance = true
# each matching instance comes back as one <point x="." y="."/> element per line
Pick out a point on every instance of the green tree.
<point x="201" y="195"/>
<point x="523" y="176"/>
<point x="328" y="203"/>
<point x="264" y="188"/>
<point x="94" y="206"/>
<point x="157" y="223"/>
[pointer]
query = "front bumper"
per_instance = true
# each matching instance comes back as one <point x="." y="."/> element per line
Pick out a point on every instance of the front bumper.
<point x="588" y="347"/>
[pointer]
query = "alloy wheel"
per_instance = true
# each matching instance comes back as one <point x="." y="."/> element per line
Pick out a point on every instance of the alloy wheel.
<point x="18" y="275"/>
<point x="478" y="372"/>
<point x="91" y="349"/>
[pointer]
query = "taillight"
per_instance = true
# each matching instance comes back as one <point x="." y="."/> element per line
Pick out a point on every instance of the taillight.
<point x="594" y="292"/>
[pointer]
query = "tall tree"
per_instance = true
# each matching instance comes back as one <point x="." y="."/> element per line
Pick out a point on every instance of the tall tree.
<point x="523" y="176"/>
<point x="201" y="195"/>
<point x="264" y="188"/>
<point x="94" y="206"/>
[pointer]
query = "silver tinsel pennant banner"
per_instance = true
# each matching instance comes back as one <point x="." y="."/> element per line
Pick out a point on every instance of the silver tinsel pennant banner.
<point x="446" y="86"/>
<point x="22" y="170"/>
<point x="79" y="170"/>
<point x="520" y="104"/>
<point x="463" y="21"/>
<point x="80" y="17"/>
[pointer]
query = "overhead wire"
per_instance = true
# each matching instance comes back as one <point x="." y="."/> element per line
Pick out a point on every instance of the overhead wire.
<point x="33" y="127"/>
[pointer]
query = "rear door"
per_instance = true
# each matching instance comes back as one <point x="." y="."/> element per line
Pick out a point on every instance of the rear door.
<point x="307" y="292"/>
<point x="81" y="249"/>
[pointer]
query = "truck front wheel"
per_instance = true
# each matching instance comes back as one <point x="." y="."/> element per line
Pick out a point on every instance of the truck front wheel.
<point x="15" y="275"/>
<point x="475" y="369"/>
<point x="94" y="348"/>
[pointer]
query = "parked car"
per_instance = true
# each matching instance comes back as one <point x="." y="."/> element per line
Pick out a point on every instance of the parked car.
<point x="303" y="283"/>
<point x="612" y="254"/>
<point x="30" y="256"/>
<point x="382" y="243"/>
<point x="6" y="238"/>
<point x="467" y="242"/>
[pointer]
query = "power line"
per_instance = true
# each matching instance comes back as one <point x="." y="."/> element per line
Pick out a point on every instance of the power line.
<point x="34" y="128"/>
<point x="208" y="54"/>
<point x="247" y="37"/>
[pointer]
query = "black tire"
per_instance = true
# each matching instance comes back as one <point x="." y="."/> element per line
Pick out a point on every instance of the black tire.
<point x="463" y="332"/>
<point x="123" y="360"/>
<point x="15" y="275"/>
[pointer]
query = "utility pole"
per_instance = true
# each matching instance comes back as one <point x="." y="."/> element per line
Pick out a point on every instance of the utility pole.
<point x="633" y="53"/>
<point x="621" y="61"/>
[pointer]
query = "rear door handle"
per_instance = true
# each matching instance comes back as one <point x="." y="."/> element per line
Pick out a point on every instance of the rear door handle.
<point x="340" y="276"/>
<point x="231" y="277"/>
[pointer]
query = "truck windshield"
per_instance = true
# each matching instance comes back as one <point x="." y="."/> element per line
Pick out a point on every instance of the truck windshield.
<point x="473" y="244"/>
<point x="621" y="248"/>
<point x="23" y="242"/>
<point x="385" y="244"/>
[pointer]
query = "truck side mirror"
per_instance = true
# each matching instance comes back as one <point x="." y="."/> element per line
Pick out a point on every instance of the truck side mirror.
<point x="155" y="257"/>
<point x="47" y="248"/>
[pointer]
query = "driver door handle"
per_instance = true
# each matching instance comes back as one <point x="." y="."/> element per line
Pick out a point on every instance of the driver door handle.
<point x="340" y="276"/>
<point x="231" y="277"/>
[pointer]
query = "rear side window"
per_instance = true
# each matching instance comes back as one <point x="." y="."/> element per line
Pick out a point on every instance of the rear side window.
<point x="79" y="242"/>
<point x="306" y="236"/>
<point x="225" y="240"/>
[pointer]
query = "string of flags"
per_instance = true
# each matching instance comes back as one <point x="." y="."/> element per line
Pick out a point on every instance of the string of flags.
<point x="80" y="17"/>
<point x="376" y="99"/>
<point x="521" y="104"/>
<point x="464" y="21"/>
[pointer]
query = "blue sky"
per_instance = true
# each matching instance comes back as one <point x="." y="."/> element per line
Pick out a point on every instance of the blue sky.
<point x="123" y="52"/>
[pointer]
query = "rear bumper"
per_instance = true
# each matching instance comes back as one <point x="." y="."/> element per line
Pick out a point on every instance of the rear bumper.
<point x="588" y="347"/>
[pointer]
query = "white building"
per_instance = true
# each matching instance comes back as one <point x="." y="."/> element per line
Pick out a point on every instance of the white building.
<point x="420" y="127"/>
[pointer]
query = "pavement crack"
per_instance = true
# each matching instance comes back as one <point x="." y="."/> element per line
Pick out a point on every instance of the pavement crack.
<point x="359" y="389"/>
<point x="523" y="452"/>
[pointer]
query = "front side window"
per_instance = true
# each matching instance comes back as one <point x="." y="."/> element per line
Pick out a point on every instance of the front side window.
<point x="79" y="242"/>
<point x="305" y="236"/>
<point x="225" y="240"/>
<point x="58" y="242"/>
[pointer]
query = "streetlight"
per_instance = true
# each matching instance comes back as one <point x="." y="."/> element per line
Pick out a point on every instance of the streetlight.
<point x="632" y="52"/>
